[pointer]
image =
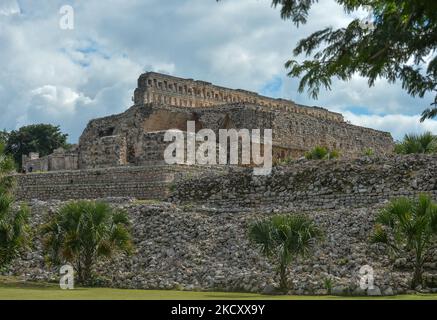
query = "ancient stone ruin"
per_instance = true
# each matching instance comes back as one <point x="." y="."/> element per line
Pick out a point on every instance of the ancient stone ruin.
<point x="189" y="223"/>
<point x="162" y="102"/>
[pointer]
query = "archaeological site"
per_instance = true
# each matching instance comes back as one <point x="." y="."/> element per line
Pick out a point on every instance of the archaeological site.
<point x="190" y="221"/>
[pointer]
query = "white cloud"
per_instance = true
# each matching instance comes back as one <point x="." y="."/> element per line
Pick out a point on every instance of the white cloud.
<point x="58" y="101"/>
<point x="9" y="7"/>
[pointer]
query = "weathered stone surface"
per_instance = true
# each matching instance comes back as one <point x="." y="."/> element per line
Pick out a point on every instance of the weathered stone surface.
<point x="193" y="248"/>
<point x="375" y="291"/>
<point x="141" y="182"/>
<point x="388" y="292"/>
<point x="135" y="137"/>
<point x="300" y="185"/>
<point x="315" y="184"/>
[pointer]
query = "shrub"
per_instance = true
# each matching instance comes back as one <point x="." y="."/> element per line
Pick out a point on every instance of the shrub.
<point x="408" y="227"/>
<point x="282" y="238"/>
<point x="414" y="143"/>
<point x="321" y="153"/>
<point x="14" y="228"/>
<point x="368" y="152"/>
<point x="328" y="283"/>
<point x="283" y="161"/>
<point x="82" y="232"/>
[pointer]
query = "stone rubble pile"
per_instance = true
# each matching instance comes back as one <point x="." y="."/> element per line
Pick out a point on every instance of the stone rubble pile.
<point x="189" y="247"/>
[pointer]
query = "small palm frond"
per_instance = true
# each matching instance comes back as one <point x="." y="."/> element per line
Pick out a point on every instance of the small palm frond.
<point x="386" y="218"/>
<point x="399" y="209"/>
<point x="433" y="219"/>
<point x="417" y="143"/>
<point x="287" y="235"/>
<point x="105" y="249"/>
<point x="120" y="217"/>
<point x="260" y="233"/>
<point x="83" y="231"/>
<point x="379" y="235"/>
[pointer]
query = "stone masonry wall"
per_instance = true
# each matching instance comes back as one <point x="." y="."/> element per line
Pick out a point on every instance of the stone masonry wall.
<point x="151" y="182"/>
<point x="293" y="133"/>
<point x="104" y="152"/>
<point x="316" y="184"/>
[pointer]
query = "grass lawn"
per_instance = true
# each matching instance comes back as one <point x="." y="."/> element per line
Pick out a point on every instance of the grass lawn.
<point x="11" y="289"/>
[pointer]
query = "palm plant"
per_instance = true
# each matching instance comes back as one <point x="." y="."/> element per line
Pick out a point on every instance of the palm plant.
<point x="284" y="237"/>
<point x="7" y="166"/>
<point x="14" y="229"/>
<point x="82" y="232"/>
<point x="417" y="143"/>
<point x="408" y="227"/>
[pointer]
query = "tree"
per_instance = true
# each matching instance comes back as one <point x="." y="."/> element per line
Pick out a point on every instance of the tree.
<point x="14" y="229"/>
<point x="4" y="136"/>
<point x="82" y="232"/>
<point x="284" y="237"/>
<point x="413" y="143"/>
<point x="41" y="138"/>
<point x="408" y="227"/>
<point x="397" y="43"/>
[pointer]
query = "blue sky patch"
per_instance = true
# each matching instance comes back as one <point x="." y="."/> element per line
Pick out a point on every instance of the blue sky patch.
<point x="272" y="88"/>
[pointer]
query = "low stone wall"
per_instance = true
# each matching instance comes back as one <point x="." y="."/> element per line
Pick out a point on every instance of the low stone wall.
<point x="201" y="248"/>
<point x="146" y="182"/>
<point x="316" y="184"/>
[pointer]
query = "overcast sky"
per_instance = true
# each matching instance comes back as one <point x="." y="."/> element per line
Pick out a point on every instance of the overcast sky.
<point x="67" y="77"/>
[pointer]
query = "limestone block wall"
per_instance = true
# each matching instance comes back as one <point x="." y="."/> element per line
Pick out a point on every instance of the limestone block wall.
<point x="112" y="140"/>
<point x="110" y="151"/>
<point x="151" y="149"/>
<point x="293" y="133"/>
<point x="316" y="184"/>
<point x="141" y="182"/>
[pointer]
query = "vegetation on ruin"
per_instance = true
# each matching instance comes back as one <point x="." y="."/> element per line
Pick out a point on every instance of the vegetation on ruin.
<point x="321" y="153"/>
<point x="14" y="228"/>
<point x="283" y="238"/>
<point x="41" y="138"/>
<point x="369" y="152"/>
<point x="409" y="227"/>
<point x="417" y="143"/>
<point x="396" y="42"/>
<point x="4" y="135"/>
<point x="83" y="232"/>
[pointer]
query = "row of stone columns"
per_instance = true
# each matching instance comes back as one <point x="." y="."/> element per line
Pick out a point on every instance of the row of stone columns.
<point x="201" y="96"/>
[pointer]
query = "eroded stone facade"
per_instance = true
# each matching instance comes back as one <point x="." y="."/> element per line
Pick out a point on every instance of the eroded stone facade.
<point x="135" y="137"/>
<point x="60" y="159"/>
<point x="159" y="88"/>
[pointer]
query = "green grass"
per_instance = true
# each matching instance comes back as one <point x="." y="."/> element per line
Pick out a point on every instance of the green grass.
<point x="12" y="289"/>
